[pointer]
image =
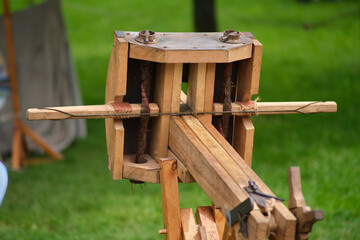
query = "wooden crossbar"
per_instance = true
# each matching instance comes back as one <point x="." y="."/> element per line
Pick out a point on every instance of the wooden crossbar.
<point x="107" y="110"/>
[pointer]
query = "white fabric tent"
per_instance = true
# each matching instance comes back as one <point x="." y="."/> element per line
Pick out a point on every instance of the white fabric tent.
<point x="46" y="75"/>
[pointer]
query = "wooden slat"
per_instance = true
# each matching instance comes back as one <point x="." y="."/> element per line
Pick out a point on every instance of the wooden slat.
<point x="284" y="218"/>
<point x="209" y="89"/>
<point x="117" y="70"/>
<point x="249" y="74"/>
<point x="204" y="217"/>
<point x="176" y="92"/>
<point x="244" y="136"/>
<point x="247" y="84"/>
<point x="145" y="172"/>
<point x="190" y="230"/>
<point x="117" y="148"/>
<point x="162" y="96"/>
<point x="196" y="86"/>
<point x="189" y="56"/>
<point x="116" y="81"/>
<point x="170" y="198"/>
<point x="183" y="174"/>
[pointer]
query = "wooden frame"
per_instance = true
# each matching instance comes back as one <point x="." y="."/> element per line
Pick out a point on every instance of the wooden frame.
<point x="186" y="147"/>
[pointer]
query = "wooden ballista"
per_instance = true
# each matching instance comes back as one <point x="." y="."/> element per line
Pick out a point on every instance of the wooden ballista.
<point x="205" y="136"/>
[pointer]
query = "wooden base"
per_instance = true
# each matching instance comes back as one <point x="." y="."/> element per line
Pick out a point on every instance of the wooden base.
<point x="19" y="147"/>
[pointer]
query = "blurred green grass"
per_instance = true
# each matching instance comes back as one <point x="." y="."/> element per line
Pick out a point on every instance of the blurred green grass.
<point x="311" y="52"/>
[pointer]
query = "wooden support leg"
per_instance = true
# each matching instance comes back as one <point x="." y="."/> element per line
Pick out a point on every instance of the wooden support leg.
<point x="17" y="147"/>
<point x="170" y="198"/>
<point x="305" y="216"/>
<point x="40" y="142"/>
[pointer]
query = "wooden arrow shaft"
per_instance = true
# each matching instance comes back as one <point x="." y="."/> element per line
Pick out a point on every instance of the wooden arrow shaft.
<point x="107" y="110"/>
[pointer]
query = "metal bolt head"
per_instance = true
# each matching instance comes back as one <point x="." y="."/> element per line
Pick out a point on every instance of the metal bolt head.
<point x="146" y="37"/>
<point x="232" y="36"/>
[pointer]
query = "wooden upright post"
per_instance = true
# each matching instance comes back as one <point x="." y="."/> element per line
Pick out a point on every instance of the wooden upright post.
<point x="170" y="198"/>
<point x="18" y="148"/>
<point x="247" y="85"/>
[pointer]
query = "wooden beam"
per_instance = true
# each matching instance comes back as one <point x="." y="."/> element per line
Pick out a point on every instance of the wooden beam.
<point x="176" y="92"/>
<point x="116" y="81"/>
<point x="117" y="150"/>
<point x="101" y="111"/>
<point x="183" y="174"/>
<point x="266" y="108"/>
<point x="144" y="172"/>
<point x="84" y="112"/>
<point x="285" y="220"/>
<point x="249" y="74"/>
<point x="190" y="230"/>
<point x="204" y="216"/>
<point x="208" y="171"/>
<point x="243" y="138"/>
<point x="162" y="96"/>
<point x="247" y="85"/>
<point x="170" y="198"/>
<point x="209" y="89"/>
<point x="150" y="171"/>
<point x="216" y="183"/>
<point x="117" y="71"/>
<point x="196" y="86"/>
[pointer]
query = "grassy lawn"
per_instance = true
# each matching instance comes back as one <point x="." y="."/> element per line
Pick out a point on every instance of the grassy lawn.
<point x="311" y="52"/>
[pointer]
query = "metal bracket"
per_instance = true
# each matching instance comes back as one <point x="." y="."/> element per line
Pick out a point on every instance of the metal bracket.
<point x="240" y="214"/>
<point x="258" y="196"/>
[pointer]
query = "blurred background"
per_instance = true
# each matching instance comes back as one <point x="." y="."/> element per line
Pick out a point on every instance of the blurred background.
<point x="311" y="51"/>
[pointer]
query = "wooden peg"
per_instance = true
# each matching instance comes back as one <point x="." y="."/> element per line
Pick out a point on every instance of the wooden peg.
<point x="305" y="216"/>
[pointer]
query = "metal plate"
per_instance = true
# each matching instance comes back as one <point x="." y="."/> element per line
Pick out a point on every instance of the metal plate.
<point x="186" y="41"/>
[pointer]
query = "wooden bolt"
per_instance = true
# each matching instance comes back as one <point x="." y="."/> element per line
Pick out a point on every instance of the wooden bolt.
<point x="162" y="231"/>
